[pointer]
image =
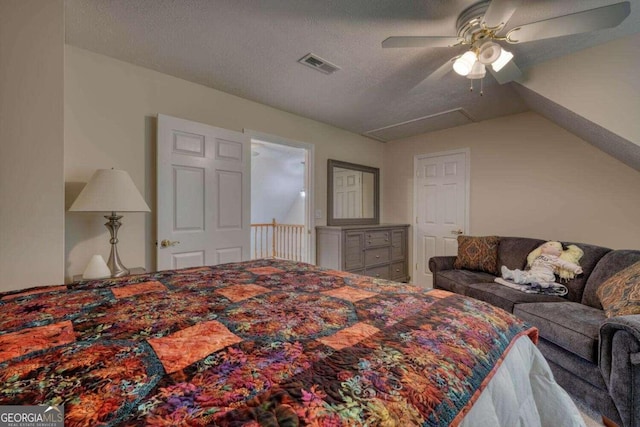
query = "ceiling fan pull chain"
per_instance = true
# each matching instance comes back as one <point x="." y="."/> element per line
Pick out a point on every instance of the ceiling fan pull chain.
<point x="471" y="87"/>
<point x="481" y="92"/>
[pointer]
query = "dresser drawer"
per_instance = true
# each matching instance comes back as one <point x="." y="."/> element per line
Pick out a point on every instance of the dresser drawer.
<point x="398" y="244"/>
<point x="398" y="270"/>
<point x="381" y="272"/>
<point x="373" y="238"/>
<point x="354" y="250"/>
<point x="376" y="256"/>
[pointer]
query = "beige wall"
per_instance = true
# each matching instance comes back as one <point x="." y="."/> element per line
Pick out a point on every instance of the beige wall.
<point x="31" y="143"/>
<point x="529" y="178"/>
<point x="110" y="109"/>
<point x="599" y="83"/>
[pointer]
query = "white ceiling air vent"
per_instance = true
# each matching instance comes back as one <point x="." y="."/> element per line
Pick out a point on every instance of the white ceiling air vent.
<point x="317" y="63"/>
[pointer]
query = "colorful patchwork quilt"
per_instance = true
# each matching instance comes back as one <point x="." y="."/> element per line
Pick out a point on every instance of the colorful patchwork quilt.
<point x="259" y="343"/>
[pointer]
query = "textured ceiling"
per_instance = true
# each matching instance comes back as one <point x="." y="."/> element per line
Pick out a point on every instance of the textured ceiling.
<point x="250" y="48"/>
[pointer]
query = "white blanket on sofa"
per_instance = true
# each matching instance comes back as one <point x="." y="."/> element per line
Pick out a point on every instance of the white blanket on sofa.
<point x="557" y="289"/>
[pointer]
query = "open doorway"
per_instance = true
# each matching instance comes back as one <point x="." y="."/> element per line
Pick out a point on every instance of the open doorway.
<point x="280" y="200"/>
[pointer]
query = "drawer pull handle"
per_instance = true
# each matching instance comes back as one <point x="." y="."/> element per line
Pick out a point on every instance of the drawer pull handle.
<point x="377" y="256"/>
<point x="397" y="270"/>
<point x="378" y="275"/>
<point x="369" y="242"/>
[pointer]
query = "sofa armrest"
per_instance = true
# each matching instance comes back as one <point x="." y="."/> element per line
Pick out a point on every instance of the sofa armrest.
<point x="620" y="364"/>
<point x="439" y="263"/>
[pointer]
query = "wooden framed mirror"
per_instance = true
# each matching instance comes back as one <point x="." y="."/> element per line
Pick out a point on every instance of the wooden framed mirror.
<point x="353" y="194"/>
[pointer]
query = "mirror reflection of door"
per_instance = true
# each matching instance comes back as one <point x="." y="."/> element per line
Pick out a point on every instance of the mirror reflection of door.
<point x="347" y="193"/>
<point x="353" y="194"/>
<point x="367" y="195"/>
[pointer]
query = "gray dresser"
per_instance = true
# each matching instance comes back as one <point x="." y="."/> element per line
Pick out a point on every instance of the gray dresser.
<point x="372" y="250"/>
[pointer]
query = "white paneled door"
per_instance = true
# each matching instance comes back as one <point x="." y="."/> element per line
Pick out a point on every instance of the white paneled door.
<point x="203" y="194"/>
<point x="441" y="208"/>
<point x="347" y="193"/>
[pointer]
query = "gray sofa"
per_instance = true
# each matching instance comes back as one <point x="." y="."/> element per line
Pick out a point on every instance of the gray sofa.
<point x="594" y="358"/>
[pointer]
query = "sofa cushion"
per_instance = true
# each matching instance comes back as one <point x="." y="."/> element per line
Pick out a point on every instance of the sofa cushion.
<point x="609" y="265"/>
<point x="570" y="325"/>
<point x="592" y="255"/>
<point x="478" y="253"/>
<point x="505" y="297"/>
<point x="513" y="251"/>
<point x="620" y="294"/>
<point x="458" y="280"/>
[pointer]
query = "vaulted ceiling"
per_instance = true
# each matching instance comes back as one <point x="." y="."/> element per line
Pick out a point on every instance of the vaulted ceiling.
<point x="250" y="48"/>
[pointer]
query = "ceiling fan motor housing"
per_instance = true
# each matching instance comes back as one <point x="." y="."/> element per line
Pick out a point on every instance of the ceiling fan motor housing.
<point x="469" y="24"/>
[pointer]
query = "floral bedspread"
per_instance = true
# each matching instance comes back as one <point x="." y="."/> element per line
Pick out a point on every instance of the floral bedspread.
<point x="266" y="342"/>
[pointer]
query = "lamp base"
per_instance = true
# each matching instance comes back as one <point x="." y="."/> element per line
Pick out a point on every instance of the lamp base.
<point x="115" y="265"/>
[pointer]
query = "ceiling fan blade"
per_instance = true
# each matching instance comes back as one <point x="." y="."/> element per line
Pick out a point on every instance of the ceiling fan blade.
<point x="499" y="13"/>
<point x="508" y="73"/>
<point x="575" y="23"/>
<point x="443" y="70"/>
<point x="436" y="75"/>
<point x="426" y="41"/>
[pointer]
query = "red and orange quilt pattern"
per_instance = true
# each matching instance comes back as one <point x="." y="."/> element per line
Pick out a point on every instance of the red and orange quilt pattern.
<point x="259" y="343"/>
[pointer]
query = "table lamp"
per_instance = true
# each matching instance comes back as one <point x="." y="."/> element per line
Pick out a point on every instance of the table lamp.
<point x="111" y="190"/>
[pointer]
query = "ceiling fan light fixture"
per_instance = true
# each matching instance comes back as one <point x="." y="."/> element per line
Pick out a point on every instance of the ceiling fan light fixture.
<point x="464" y="64"/>
<point x="503" y="59"/>
<point x="478" y="71"/>
<point x="489" y="53"/>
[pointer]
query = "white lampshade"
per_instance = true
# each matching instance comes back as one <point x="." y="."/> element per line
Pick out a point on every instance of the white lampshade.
<point x="110" y="190"/>
<point x="464" y="64"/>
<point x="478" y="71"/>
<point x="489" y="53"/>
<point x="502" y="60"/>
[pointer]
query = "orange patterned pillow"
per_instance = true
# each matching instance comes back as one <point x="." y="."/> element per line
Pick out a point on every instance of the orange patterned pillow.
<point x="620" y="294"/>
<point x="478" y="253"/>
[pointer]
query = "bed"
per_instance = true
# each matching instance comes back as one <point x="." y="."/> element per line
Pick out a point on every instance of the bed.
<point x="272" y="343"/>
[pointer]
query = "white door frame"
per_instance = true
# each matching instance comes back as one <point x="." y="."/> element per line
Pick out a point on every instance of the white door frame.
<point x="416" y="159"/>
<point x="308" y="179"/>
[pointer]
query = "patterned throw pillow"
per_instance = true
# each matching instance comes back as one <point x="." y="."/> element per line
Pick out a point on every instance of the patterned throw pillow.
<point x="620" y="294"/>
<point x="478" y="253"/>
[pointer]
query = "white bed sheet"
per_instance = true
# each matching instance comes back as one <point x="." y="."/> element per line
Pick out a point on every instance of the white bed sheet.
<point x="523" y="393"/>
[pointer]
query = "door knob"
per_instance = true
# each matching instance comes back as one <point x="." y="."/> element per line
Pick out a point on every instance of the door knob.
<point x="457" y="232"/>
<point x="166" y="243"/>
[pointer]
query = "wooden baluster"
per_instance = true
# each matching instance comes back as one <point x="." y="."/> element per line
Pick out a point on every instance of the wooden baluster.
<point x="273" y="239"/>
<point x="294" y="244"/>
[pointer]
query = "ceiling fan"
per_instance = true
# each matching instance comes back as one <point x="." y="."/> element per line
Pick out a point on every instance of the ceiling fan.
<point x="482" y="27"/>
